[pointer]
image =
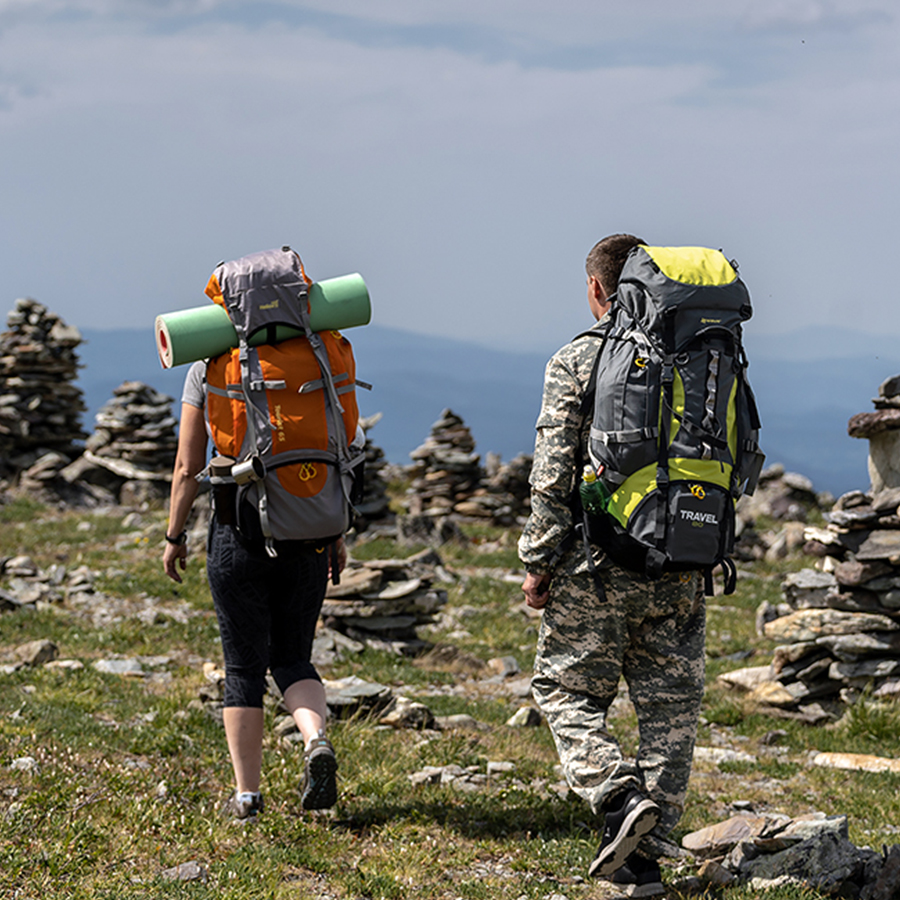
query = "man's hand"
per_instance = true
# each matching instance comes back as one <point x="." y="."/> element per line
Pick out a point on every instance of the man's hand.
<point x="537" y="590"/>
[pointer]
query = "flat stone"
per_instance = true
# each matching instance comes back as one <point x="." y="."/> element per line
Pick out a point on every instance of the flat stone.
<point x="394" y="590"/>
<point x="354" y="581"/>
<point x="382" y="623"/>
<point x="188" y="871"/>
<point x="746" y="679"/>
<point x="857" y="762"/>
<point x="864" y="425"/>
<point x="64" y="665"/>
<point x="849" y="647"/>
<point x="886" y="501"/>
<point x="127" y="667"/>
<point x="718" y="839"/>
<point x="525" y="717"/>
<point x="36" y="653"/>
<point x="347" y="696"/>
<point x="890" y="387"/>
<point x="772" y="693"/>
<point x="883" y="544"/>
<point x="809" y="624"/>
<point x="854" y="573"/>
<point x="791" y="653"/>
<point x="864" y="671"/>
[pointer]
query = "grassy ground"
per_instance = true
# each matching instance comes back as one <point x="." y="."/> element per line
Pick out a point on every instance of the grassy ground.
<point x="128" y="773"/>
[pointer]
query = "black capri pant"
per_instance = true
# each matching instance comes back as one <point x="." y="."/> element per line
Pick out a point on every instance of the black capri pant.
<point x="267" y="609"/>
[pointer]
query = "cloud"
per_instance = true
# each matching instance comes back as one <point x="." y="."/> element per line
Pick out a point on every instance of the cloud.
<point x="813" y="16"/>
<point x="141" y="143"/>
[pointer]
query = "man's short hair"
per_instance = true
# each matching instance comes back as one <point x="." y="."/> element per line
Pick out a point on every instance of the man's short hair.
<point x="607" y="257"/>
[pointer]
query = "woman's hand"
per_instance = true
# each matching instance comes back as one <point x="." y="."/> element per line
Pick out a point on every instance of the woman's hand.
<point x="341" y="552"/>
<point x="174" y="558"/>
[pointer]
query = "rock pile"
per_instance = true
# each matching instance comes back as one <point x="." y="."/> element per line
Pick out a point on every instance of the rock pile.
<point x="813" y="851"/>
<point x="40" y="407"/>
<point x="132" y="450"/>
<point x="375" y="504"/>
<point x="447" y="479"/>
<point x="882" y="428"/>
<point x="135" y="437"/>
<point x="503" y="497"/>
<point x="446" y="469"/>
<point x="382" y="603"/>
<point x="786" y="497"/>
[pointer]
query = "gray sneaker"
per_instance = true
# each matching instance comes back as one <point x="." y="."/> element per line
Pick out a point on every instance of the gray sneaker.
<point x="244" y="808"/>
<point x="318" y="789"/>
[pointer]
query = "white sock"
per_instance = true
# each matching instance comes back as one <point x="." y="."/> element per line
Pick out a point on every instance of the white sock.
<point x="246" y="796"/>
<point x="319" y="734"/>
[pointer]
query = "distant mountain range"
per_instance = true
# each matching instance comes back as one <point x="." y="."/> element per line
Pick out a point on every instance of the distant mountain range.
<point x="807" y="384"/>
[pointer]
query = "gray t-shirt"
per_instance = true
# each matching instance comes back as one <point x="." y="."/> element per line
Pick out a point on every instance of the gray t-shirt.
<point x="194" y="393"/>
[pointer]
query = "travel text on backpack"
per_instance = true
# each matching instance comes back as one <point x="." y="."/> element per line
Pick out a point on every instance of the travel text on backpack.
<point x="674" y="426"/>
<point x="283" y="415"/>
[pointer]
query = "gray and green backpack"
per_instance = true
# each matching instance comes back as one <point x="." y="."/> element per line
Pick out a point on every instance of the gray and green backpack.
<point x="674" y="424"/>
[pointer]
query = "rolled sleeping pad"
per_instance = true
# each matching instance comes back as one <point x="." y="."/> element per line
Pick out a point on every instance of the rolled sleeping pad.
<point x="205" y="331"/>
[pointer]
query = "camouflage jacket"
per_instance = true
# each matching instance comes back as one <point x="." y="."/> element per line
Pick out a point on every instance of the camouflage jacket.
<point x="562" y="431"/>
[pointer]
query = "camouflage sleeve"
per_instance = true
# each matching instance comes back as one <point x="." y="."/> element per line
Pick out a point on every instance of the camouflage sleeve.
<point x="559" y="428"/>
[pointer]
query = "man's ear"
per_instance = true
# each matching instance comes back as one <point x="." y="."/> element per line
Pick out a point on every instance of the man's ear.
<point x="598" y="291"/>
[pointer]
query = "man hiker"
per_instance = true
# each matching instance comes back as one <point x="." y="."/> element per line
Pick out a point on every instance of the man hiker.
<point x="651" y="632"/>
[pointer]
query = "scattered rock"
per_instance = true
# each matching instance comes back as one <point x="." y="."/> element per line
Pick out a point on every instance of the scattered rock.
<point x="525" y="717"/>
<point x="36" y="653"/>
<point x="188" y="871"/>
<point x="858" y="762"/>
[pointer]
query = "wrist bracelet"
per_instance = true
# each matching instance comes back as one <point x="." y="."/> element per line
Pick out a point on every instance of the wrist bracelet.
<point x="178" y="540"/>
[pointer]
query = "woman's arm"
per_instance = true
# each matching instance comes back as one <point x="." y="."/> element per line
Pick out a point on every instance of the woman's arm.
<point x="189" y="460"/>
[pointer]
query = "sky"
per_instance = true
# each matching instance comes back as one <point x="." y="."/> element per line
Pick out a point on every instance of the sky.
<point x="463" y="156"/>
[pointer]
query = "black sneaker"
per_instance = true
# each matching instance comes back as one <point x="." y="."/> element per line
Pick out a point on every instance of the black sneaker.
<point x="639" y="877"/>
<point x="622" y="832"/>
<point x="244" y="808"/>
<point x="319" y="787"/>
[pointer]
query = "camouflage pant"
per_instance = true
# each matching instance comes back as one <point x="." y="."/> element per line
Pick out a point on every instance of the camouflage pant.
<point x="652" y="634"/>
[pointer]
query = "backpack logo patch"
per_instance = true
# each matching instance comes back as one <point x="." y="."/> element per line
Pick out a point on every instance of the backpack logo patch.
<point x="307" y="471"/>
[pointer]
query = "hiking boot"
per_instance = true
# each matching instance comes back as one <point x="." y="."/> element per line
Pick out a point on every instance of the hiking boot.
<point x="319" y="787"/>
<point x="244" y="807"/>
<point x="639" y="877"/>
<point x="622" y="832"/>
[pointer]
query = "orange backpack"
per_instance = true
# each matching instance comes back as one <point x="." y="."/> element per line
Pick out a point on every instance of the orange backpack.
<point x="282" y="416"/>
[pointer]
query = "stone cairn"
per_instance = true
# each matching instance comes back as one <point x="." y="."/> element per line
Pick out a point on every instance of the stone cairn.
<point x="839" y="623"/>
<point x="446" y="470"/>
<point x="448" y="480"/>
<point x="785" y="497"/>
<point x="381" y="604"/>
<point x="132" y="451"/>
<point x="503" y="497"/>
<point x="375" y="504"/>
<point x="40" y="406"/>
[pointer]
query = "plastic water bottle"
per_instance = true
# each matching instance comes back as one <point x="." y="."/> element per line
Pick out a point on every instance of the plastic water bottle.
<point x="594" y="493"/>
